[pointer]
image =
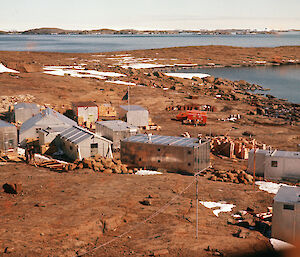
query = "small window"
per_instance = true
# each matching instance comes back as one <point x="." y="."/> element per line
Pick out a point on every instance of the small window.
<point x="288" y="207"/>
<point x="94" y="145"/>
<point x="274" y="164"/>
<point x="158" y="149"/>
<point x="158" y="161"/>
<point x="189" y="152"/>
<point x="140" y="159"/>
<point x="71" y="148"/>
<point x="189" y="164"/>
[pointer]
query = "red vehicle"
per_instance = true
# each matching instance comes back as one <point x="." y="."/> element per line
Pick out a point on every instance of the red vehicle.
<point x="193" y="117"/>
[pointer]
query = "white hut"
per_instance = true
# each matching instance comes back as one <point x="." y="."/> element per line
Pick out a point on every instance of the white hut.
<point x="47" y="118"/>
<point x="25" y="111"/>
<point x="78" y="143"/>
<point x="275" y="165"/>
<point x="135" y="115"/>
<point x="87" y="113"/>
<point x="115" y="130"/>
<point x="8" y="137"/>
<point x="286" y="214"/>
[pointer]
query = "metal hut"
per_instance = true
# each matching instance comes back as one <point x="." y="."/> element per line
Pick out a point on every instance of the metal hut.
<point x="46" y="119"/>
<point x="8" y="137"/>
<point x="286" y="214"/>
<point x="87" y="113"/>
<point x="115" y="130"/>
<point x="78" y="143"/>
<point x="25" y="111"/>
<point x="135" y="115"/>
<point x="189" y="155"/>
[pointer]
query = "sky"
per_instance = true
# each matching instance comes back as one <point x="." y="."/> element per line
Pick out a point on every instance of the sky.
<point x="150" y="14"/>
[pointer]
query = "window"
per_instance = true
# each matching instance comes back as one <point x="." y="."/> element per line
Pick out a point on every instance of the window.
<point x="189" y="164"/>
<point x="158" y="149"/>
<point x="158" y="161"/>
<point x="71" y="148"/>
<point x="140" y="159"/>
<point x="288" y="207"/>
<point x="94" y="145"/>
<point x="274" y="164"/>
<point x="189" y="152"/>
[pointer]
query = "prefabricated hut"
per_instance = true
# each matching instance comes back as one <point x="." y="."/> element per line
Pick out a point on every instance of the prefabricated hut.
<point x="274" y="164"/>
<point x="115" y="130"/>
<point x="24" y="111"/>
<point x="86" y="113"/>
<point x="286" y="214"/>
<point x="181" y="154"/>
<point x="78" y="143"/>
<point x="46" y="119"/>
<point x="48" y="137"/>
<point x="8" y="137"/>
<point x="135" y="115"/>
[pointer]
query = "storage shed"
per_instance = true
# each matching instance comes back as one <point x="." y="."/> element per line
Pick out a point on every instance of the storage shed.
<point x="275" y="165"/>
<point x="286" y="214"/>
<point x="25" y="111"/>
<point x="78" y="143"/>
<point x="46" y="119"/>
<point x="8" y="137"/>
<point x="86" y="113"/>
<point x="115" y="130"/>
<point x="135" y="115"/>
<point x="181" y="154"/>
<point x="106" y="110"/>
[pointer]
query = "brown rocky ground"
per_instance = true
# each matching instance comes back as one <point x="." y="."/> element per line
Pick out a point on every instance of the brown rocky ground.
<point x="58" y="214"/>
<point x="61" y="213"/>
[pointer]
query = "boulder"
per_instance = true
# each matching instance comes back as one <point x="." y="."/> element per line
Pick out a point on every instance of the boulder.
<point x="108" y="171"/>
<point x="12" y="188"/>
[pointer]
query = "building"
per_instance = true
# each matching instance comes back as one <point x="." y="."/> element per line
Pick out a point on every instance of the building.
<point x="180" y="154"/>
<point x="79" y="143"/>
<point x="24" y="111"/>
<point x="106" y="110"/>
<point x="134" y="115"/>
<point x="47" y="138"/>
<point x="8" y="137"/>
<point x="274" y="164"/>
<point x="115" y="130"/>
<point x="46" y="119"/>
<point x="286" y="214"/>
<point x="86" y="113"/>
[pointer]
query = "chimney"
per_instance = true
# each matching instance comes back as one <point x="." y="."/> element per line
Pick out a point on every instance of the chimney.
<point x="149" y="138"/>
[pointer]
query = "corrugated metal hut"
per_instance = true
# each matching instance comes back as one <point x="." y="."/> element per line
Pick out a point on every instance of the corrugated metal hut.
<point x="78" y="143"/>
<point x="47" y="118"/>
<point x="8" y="137"/>
<point x="115" y="130"/>
<point x="275" y="165"/>
<point x="189" y="155"/>
<point x="135" y="115"/>
<point x="286" y="214"/>
<point x="25" y="111"/>
<point x="87" y="113"/>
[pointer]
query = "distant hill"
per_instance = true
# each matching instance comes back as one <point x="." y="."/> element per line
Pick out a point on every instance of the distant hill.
<point x="2" y="32"/>
<point x="46" y="31"/>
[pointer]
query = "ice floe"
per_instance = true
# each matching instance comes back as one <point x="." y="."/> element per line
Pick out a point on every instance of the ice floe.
<point x="147" y="172"/>
<point x="5" y="69"/>
<point x="79" y="72"/>
<point x="279" y="245"/>
<point x="269" y="187"/>
<point x="218" y="206"/>
<point x="187" y="75"/>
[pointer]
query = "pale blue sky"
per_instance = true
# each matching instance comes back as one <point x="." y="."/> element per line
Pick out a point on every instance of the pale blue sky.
<point x="150" y="14"/>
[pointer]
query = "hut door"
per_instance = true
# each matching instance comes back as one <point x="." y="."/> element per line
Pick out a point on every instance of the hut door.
<point x="94" y="149"/>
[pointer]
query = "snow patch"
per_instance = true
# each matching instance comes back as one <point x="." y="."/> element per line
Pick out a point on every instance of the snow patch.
<point x="143" y="66"/>
<point x="270" y="187"/>
<point x="279" y="245"/>
<point x="79" y="72"/>
<point x="147" y="172"/>
<point x="5" y="69"/>
<point x="121" y="82"/>
<point x="187" y="75"/>
<point x="222" y="207"/>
